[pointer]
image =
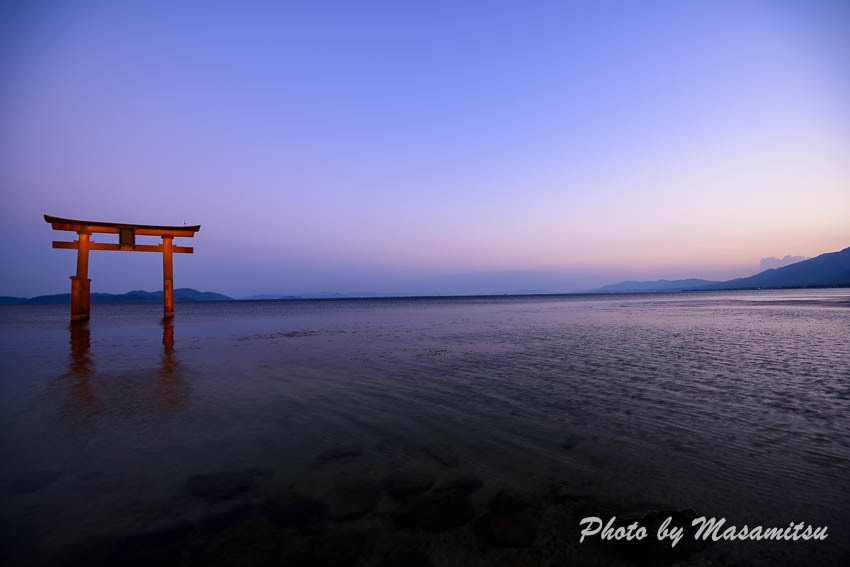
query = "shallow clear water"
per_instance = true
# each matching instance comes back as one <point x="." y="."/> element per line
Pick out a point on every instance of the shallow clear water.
<point x="734" y="404"/>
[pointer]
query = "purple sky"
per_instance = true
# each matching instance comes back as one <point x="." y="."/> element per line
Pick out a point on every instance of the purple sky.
<point x="433" y="147"/>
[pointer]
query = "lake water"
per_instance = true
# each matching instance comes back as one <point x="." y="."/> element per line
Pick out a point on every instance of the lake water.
<point x="731" y="404"/>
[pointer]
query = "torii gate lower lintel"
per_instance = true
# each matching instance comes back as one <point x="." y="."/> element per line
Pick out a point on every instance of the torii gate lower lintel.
<point x="80" y="297"/>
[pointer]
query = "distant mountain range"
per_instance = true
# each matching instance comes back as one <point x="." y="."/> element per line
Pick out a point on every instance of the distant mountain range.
<point x="827" y="270"/>
<point x="658" y="285"/>
<point x="320" y="295"/>
<point x="264" y="296"/>
<point x="136" y="296"/>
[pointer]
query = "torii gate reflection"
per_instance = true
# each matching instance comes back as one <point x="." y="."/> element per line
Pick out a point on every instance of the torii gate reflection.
<point x="90" y="395"/>
<point x="80" y="297"/>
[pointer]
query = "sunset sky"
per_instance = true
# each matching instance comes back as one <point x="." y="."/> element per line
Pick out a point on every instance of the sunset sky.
<point x="424" y="147"/>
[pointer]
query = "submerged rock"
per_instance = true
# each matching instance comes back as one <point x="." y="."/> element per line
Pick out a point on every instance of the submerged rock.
<point x="221" y="485"/>
<point x="511" y="521"/>
<point x="507" y="529"/>
<point x="165" y="542"/>
<point x="351" y="499"/>
<point x="224" y="513"/>
<point x="34" y="480"/>
<point x="291" y="509"/>
<point x="404" y="483"/>
<point x="506" y="502"/>
<point x="434" y="512"/>
<point x="261" y="472"/>
<point x="651" y="551"/>
<point x="337" y="550"/>
<point x="443" y="454"/>
<point x="339" y="452"/>
<point x="407" y="558"/>
<point x="254" y="542"/>
<point x="102" y="550"/>
<point x="163" y="532"/>
<point x="462" y="484"/>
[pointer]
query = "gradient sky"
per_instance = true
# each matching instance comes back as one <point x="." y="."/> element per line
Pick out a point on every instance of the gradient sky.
<point x="424" y="147"/>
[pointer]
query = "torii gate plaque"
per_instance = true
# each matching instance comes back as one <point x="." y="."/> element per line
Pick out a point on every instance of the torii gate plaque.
<point x="126" y="241"/>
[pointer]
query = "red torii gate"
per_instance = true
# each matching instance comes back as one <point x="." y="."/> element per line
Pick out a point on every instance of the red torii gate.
<point x="127" y="242"/>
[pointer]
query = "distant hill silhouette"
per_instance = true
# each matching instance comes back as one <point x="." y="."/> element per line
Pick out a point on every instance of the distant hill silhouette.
<point x="135" y="296"/>
<point x="827" y="270"/>
<point x="658" y="285"/>
<point x="319" y="295"/>
<point x="266" y="296"/>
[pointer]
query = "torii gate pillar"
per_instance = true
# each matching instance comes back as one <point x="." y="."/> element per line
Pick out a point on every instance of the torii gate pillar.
<point x="167" y="278"/>
<point x="80" y="297"/>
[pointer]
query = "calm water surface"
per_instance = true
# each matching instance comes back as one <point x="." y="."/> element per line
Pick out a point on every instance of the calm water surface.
<point x="733" y="404"/>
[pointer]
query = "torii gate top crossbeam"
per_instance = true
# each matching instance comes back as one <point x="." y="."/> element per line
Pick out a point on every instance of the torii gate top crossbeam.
<point x="115" y="227"/>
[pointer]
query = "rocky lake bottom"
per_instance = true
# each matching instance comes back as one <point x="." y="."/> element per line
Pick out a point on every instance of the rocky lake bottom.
<point x="469" y="431"/>
<point x="384" y="505"/>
